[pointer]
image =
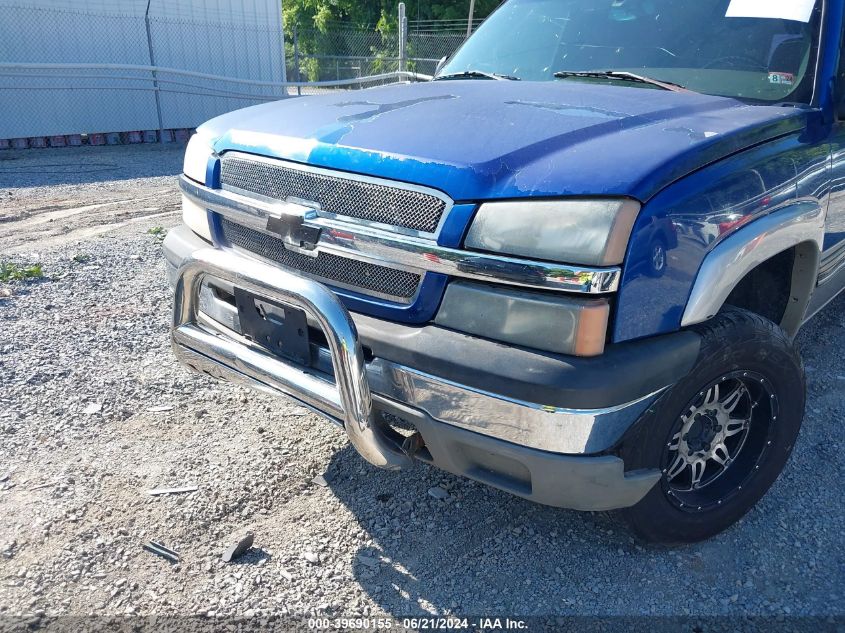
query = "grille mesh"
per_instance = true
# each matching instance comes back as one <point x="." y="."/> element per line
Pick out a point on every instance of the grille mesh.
<point x="367" y="278"/>
<point x="341" y="196"/>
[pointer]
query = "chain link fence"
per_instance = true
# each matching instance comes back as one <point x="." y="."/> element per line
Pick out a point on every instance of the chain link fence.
<point x="344" y="51"/>
<point x="429" y="42"/>
<point x="67" y="71"/>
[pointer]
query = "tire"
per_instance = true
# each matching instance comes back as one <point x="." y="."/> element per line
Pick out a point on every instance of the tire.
<point x="751" y="363"/>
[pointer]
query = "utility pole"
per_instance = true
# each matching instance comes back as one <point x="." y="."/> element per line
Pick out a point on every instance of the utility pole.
<point x="403" y="38"/>
<point x="471" y="17"/>
<point x="297" y="76"/>
<point x="155" y="75"/>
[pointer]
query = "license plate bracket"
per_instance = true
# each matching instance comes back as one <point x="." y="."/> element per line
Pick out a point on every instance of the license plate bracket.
<point x="278" y="328"/>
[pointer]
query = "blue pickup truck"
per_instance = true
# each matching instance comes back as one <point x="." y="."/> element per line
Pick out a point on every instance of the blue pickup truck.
<point x="571" y="266"/>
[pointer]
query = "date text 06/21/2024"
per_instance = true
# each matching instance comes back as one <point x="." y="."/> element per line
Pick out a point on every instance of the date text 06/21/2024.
<point x="419" y="624"/>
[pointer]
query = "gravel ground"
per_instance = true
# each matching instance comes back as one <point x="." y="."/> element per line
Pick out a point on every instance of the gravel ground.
<point x="94" y="412"/>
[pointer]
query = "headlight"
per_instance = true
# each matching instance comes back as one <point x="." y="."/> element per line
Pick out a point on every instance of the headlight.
<point x="586" y="232"/>
<point x="197" y="154"/>
<point x="196" y="157"/>
<point x="543" y="321"/>
<point x="196" y="218"/>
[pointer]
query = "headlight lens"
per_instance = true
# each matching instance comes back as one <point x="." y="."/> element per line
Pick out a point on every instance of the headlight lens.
<point x="586" y="232"/>
<point x="197" y="154"/>
<point x="196" y="218"/>
<point x="196" y="157"/>
<point x="543" y="321"/>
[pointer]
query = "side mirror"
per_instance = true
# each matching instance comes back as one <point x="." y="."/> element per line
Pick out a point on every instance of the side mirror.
<point x="441" y="64"/>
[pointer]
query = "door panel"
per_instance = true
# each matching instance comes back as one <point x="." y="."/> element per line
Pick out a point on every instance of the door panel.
<point x="834" y="243"/>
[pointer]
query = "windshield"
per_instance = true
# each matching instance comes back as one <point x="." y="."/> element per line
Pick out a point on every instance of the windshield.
<point x="760" y="51"/>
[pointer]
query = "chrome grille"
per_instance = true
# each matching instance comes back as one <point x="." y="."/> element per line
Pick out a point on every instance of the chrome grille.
<point x="360" y="199"/>
<point x="371" y="279"/>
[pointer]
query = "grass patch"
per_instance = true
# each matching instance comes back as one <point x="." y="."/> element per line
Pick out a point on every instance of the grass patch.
<point x="158" y="231"/>
<point x="13" y="272"/>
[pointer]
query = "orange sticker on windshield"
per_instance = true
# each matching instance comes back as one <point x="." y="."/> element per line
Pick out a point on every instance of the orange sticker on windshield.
<point x="782" y="79"/>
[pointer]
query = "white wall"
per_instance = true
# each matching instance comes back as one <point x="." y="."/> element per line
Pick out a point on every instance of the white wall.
<point x="126" y="7"/>
<point x="221" y="37"/>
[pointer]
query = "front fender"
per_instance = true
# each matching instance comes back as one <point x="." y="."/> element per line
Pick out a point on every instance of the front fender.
<point x="710" y="212"/>
<point x="799" y="224"/>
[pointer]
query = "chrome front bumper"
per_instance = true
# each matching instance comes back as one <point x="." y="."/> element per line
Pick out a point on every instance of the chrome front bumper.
<point x="461" y="425"/>
<point x="348" y="401"/>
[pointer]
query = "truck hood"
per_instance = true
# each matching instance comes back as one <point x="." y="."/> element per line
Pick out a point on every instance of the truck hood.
<point x="478" y="140"/>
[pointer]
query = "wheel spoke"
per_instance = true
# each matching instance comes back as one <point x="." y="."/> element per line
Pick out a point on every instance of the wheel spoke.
<point x="711" y="437"/>
<point x="734" y="427"/>
<point x="676" y="468"/>
<point x="733" y="399"/>
<point x="721" y="455"/>
<point x="712" y="396"/>
<point x="676" y="442"/>
<point x="697" y="472"/>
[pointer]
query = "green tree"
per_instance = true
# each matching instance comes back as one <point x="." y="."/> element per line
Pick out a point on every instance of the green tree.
<point x="318" y="23"/>
<point x="320" y="14"/>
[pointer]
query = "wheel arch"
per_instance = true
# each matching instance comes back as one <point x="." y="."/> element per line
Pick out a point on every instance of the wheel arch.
<point x="797" y="228"/>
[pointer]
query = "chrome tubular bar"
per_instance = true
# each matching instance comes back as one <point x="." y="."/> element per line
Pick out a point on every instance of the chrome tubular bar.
<point x="349" y="401"/>
<point x="359" y="241"/>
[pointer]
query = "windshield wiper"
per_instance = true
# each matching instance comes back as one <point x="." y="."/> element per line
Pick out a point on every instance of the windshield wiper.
<point x="476" y="74"/>
<point x="621" y="75"/>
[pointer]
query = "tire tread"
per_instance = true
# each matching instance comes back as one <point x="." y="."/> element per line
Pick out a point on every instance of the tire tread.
<point x="653" y="518"/>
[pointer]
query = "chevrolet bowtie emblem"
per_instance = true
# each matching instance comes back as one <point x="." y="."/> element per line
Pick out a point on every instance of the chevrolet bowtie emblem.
<point x="296" y="235"/>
